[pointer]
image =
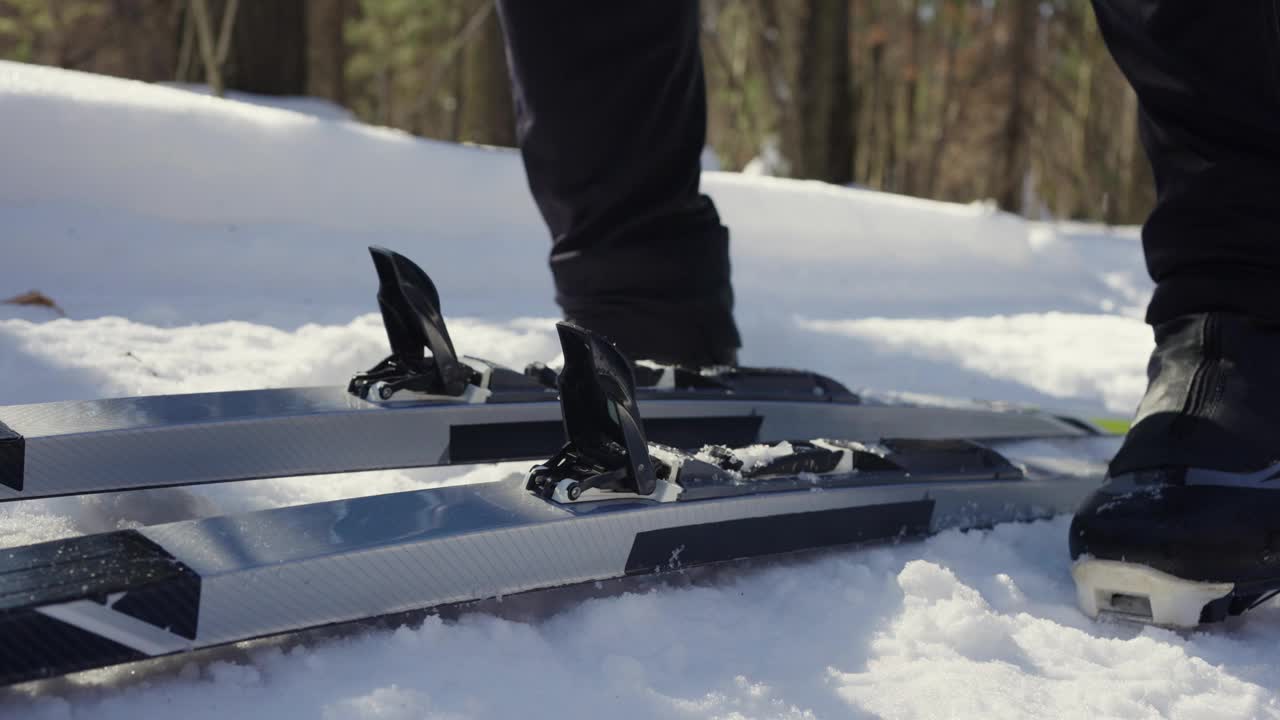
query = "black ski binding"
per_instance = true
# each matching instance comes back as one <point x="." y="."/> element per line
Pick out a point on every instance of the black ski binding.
<point x="410" y="308"/>
<point x="607" y="449"/>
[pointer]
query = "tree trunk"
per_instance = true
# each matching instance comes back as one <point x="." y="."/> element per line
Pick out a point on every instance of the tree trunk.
<point x="912" y="100"/>
<point x="826" y="95"/>
<point x="1013" y="155"/>
<point x="488" y="114"/>
<point x="268" y="48"/>
<point x="889" y="137"/>
<point x="214" y="47"/>
<point x="773" y="55"/>
<point x="874" y="136"/>
<point x="951" y="21"/>
<point x="1140" y="183"/>
<point x="327" y="50"/>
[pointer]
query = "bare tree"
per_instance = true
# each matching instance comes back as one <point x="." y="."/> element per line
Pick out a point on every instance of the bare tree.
<point x="911" y="98"/>
<point x="877" y="133"/>
<point x="269" y="48"/>
<point x="490" y="116"/>
<point x="952" y="23"/>
<point x="1012" y="151"/>
<point x="826" y="94"/>
<point x="444" y="63"/>
<point x="1015" y="100"/>
<point x="327" y="48"/>
<point x="214" y="51"/>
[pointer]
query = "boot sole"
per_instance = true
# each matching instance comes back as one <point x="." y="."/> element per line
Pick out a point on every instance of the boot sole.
<point x="1140" y="593"/>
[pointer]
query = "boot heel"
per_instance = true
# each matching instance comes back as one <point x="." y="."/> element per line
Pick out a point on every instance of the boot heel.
<point x="1137" y="592"/>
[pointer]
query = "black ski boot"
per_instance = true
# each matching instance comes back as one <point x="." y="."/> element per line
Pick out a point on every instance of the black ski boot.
<point x="1186" y="528"/>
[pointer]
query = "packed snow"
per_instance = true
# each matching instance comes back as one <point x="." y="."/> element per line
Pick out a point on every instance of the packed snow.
<point x="203" y="244"/>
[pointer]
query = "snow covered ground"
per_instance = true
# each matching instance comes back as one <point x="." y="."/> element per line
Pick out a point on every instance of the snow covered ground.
<point x="203" y="244"/>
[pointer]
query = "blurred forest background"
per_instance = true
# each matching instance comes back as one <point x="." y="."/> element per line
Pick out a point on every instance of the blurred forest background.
<point x="1014" y="101"/>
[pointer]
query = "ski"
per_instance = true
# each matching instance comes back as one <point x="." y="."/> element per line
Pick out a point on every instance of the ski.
<point x="425" y="405"/>
<point x="610" y="503"/>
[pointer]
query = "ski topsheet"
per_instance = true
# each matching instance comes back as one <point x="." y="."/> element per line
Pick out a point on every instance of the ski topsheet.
<point x="610" y="502"/>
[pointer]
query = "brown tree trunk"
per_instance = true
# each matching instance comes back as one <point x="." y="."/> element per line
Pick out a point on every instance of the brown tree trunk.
<point x="327" y="50"/>
<point x="911" y="93"/>
<point x="875" y="137"/>
<point x="147" y="32"/>
<point x="488" y="115"/>
<point x="1013" y="162"/>
<point x="1140" y="185"/>
<point x="956" y="16"/>
<point x="458" y="90"/>
<point x="214" y="44"/>
<point x="773" y="54"/>
<point x="826" y="95"/>
<point x="268" y="47"/>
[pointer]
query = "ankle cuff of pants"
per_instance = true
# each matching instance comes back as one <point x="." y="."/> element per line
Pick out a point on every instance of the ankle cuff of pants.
<point x="666" y="298"/>
<point x="1250" y="291"/>
<point x="665" y="267"/>
<point x="693" y="333"/>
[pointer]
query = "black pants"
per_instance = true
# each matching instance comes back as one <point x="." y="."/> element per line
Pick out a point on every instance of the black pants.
<point x="1208" y="82"/>
<point x="612" y="117"/>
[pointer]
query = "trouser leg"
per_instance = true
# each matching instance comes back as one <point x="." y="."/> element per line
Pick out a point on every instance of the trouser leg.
<point x="611" y="120"/>
<point x="1207" y="76"/>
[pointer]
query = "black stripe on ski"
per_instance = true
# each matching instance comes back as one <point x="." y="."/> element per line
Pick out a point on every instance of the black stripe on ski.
<point x="121" y="571"/>
<point x="494" y="442"/>
<point x="36" y="646"/>
<point x="917" y="455"/>
<point x="13" y="450"/>
<point x="706" y="543"/>
<point x="158" y="589"/>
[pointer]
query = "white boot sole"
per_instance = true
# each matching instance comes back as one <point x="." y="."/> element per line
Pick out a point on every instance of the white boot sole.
<point x="1137" y="592"/>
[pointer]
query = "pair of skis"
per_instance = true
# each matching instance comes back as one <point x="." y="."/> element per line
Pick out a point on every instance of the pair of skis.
<point x="643" y="470"/>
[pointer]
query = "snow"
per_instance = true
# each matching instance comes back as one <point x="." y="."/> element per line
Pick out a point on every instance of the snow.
<point x="1065" y="355"/>
<point x="316" y="107"/>
<point x="752" y="456"/>
<point x="204" y="244"/>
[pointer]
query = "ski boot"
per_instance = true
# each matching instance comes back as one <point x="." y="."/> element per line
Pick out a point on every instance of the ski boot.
<point x="1186" y="528"/>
